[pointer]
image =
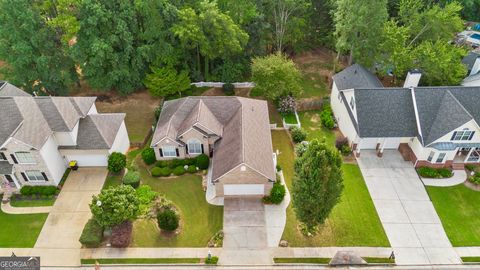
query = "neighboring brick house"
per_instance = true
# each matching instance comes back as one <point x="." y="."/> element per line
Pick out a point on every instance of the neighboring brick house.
<point x="39" y="136"/>
<point x="430" y="126"/>
<point x="233" y="131"/>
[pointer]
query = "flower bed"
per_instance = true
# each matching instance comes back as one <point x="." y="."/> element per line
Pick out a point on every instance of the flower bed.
<point x="427" y="172"/>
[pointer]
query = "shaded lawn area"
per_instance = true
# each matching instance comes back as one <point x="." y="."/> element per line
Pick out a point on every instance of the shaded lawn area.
<point x="311" y="123"/>
<point x="353" y="222"/>
<point x="459" y="209"/>
<point x="20" y="231"/>
<point x="16" y="202"/>
<point x="199" y="221"/>
<point x="313" y="85"/>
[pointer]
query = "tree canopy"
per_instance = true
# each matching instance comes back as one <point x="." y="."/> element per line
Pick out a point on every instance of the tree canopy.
<point x="115" y="205"/>
<point x="165" y="81"/>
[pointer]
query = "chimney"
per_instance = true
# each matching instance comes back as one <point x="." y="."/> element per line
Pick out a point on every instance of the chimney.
<point x="413" y="78"/>
<point x="475" y="67"/>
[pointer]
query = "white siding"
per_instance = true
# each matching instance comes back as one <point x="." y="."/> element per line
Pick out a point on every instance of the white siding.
<point x="341" y="115"/>
<point x="67" y="138"/>
<point x="472" y="83"/>
<point x="53" y="160"/>
<point x="121" y="142"/>
<point x="93" y="110"/>
<point x="471" y="125"/>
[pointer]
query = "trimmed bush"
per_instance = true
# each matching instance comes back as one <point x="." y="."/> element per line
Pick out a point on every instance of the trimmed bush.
<point x="174" y="163"/>
<point x="427" y="172"/>
<point x="276" y="194"/>
<point x="192" y="169"/>
<point x="180" y="170"/>
<point x="162" y="163"/>
<point x="92" y="234"/>
<point x="190" y="161"/>
<point x="298" y="134"/>
<point x="228" y="89"/>
<point x="116" y="162"/>
<point x="444" y="173"/>
<point x="148" y="156"/>
<point x="38" y="190"/>
<point x="345" y="150"/>
<point x="475" y="179"/>
<point x="203" y="161"/>
<point x="326" y="117"/>
<point x="211" y="260"/>
<point x="157" y="171"/>
<point x="132" y="178"/>
<point x="122" y="234"/>
<point x="168" y="220"/>
<point x="279" y="168"/>
<point x="340" y="142"/>
<point x="470" y="167"/>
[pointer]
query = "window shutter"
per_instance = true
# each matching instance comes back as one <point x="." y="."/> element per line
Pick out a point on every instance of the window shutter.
<point x="45" y="176"/>
<point x="186" y="148"/>
<point x="471" y="136"/>
<point x="161" y="152"/>
<point x="453" y="136"/>
<point x="24" y="177"/>
<point x="176" y="150"/>
<point x="13" y="158"/>
<point x="202" y="148"/>
<point x="2" y="155"/>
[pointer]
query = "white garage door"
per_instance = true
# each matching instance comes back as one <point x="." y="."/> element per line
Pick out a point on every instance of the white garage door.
<point x="98" y="160"/>
<point x="368" y="143"/>
<point x="243" y="190"/>
<point x="392" y="143"/>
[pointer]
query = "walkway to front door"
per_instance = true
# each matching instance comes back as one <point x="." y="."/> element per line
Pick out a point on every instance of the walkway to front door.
<point x="407" y="214"/>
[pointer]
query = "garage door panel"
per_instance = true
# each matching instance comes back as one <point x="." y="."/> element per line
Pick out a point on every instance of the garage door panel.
<point x="232" y="190"/>
<point x="89" y="160"/>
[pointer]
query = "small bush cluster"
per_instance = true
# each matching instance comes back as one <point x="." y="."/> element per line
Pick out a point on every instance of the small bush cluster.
<point x="300" y="149"/>
<point x="180" y="166"/>
<point x="122" y="234"/>
<point x="92" y="234"/>
<point x="287" y="104"/>
<point x="475" y="179"/>
<point x="228" y="89"/>
<point x="298" y="134"/>
<point x="116" y="162"/>
<point x="161" y="172"/>
<point x="202" y="162"/>
<point x="148" y="156"/>
<point x="279" y="168"/>
<point x="180" y="170"/>
<point x="276" y="194"/>
<point x="211" y="260"/>
<point x="38" y="190"/>
<point x="428" y="172"/>
<point x="470" y="167"/>
<point x="192" y="169"/>
<point x="146" y="197"/>
<point x="168" y="220"/>
<point x="326" y="117"/>
<point x="342" y="145"/>
<point x="132" y="178"/>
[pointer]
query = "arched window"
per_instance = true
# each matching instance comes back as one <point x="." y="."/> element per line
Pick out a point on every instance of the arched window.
<point x="194" y="146"/>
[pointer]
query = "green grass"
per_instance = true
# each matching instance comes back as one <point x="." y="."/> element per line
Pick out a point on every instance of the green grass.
<point x="15" y="202"/>
<point x="353" y="222"/>
<point x="378" y="260"/>
<point x="290" y="118"/>
<point x="142" y="261"/>
<point x="459" y="209"/>
<point x="302" y="260"/>
<point x="199" y="221"/>
<point x="471" y="259"/>
<point x="20" y="231"/>
<point x="112" y="180"/>
<point x="310" y="121"/>
<point x="313" y="85"/>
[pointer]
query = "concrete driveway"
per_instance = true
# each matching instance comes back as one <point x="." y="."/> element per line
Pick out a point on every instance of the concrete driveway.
<point x="68" y="216"/>
<point x="405" y="210"/>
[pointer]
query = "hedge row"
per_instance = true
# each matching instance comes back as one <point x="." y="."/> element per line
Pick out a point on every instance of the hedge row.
<point x="38" y="190"/>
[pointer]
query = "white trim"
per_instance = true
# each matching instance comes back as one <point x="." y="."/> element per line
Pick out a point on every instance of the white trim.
<point x="195" y="142"/>
<point x="174" y="150"/>
<point x="417" y="118"/>
<point x="34" y="180"/>
<point x="25" y="163"/>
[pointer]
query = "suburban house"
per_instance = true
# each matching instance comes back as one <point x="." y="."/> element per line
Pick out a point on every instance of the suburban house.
<point x="472" y="62"/>
<point x="430" y="126"/>
<point x="233" y="131"/>
<point x="39" y="136"/>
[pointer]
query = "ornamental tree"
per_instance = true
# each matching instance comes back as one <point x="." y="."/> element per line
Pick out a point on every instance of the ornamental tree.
<point x="115" y="205"/>
<point x="317" y="183"/>
<point x="166" y="81"/>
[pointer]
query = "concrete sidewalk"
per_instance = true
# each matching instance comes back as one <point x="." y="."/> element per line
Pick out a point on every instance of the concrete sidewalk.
<point x="459" y="176"/>
<point x="8" y="209"/>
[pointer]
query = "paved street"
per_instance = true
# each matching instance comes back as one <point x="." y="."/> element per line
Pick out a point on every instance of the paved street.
<point x="406" y="212"/>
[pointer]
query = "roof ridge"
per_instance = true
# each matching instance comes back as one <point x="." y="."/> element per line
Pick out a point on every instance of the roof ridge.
<point x="243" y="132"/>
<point x="173" y="115"/>
<point x="459" y="103"/>
<point x="98" y="128"/>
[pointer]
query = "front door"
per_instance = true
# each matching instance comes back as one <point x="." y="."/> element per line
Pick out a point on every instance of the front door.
<point x="11" y="181"/>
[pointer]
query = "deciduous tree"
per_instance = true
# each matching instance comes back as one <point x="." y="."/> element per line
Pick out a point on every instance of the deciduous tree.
<point x="166" y="81"/>
<point x="115" y="205"/>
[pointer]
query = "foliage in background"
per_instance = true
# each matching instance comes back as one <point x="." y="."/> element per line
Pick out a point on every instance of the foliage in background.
<point x="115" y="205"/>
<point x="165" y="81"/>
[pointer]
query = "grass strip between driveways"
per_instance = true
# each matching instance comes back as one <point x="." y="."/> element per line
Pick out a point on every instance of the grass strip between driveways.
<point x="471" y="259"/>
<point x="143" y="261"/>
<point x="379" y="260"/>
<point x="303" y="260"/>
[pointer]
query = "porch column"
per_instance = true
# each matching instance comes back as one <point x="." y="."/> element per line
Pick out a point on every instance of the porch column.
<point x="357" y="152"/>
<point x="469" y="154"/>
<point x="380" y="152"/>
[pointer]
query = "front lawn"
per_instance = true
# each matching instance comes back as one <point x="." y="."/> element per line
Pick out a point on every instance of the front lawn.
<point x="459" y="209"/>
<point x="353" y="222"/>
<point x="310" y="121"/>
<point x="20" y="231"/>
<point x="199" y="220"/>
<point x="17" y="202"/>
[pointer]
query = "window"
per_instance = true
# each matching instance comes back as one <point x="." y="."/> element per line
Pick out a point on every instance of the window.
<point x="430" y="157"/>
<point x="35" y="176"/>
<point x="474" y="156"/>
<point x="352" y="103"/>
<point x="440" y="157"/>
<point x="169" y="151"/>
<point x="25" y="157"/>
<point x="194" y="147"/>
<point x="464" y="135"/>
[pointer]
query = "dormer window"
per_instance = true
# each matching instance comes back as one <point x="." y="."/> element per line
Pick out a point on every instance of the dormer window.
<point x="463" y="135"/>
<point x="194" y="146"/>
<point x="352" y="103"/>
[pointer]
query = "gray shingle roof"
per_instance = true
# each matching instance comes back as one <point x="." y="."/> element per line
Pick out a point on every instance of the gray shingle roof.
<point x="10" y="118"/>
<point x="385" y="112"/>
<point x="356" y="76"/>
<point x="9" y="90"/>
<point x="5" y="167"/>
<point x="98" y="131"/>
<point x="242" y="123"/>
<point x="469" y="60"/>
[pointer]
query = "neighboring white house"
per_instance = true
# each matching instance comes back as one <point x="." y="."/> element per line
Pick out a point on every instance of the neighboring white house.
<point x="39" y="136"/>
<point x="472" y="62"/>
<point x="431" y="126"/>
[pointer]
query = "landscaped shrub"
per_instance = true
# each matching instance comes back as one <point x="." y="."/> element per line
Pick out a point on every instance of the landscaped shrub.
<point x="122" y="234"/>
<point x="168" y="220"/>
<point x="92" y="234"/>
<point x="211" y="260"/>
<point x="427" y="172"/>
<point x="174" y="163"/>
<point x="190" y="161"/>
<point x="162" y="163"/>
<point x="445" y="173"/>
<point x="276" y="194"/>
<point x="298" y="134"/>
<point x="116" y="162"/>
<point x="148" y="156"/>
<point x="180" y="170"/>
<point x="470" y="167"/>
<point x="192" y="169"/>
<point x="228" y="89"/>
<point x="146" y="196"/>
<point x="132" y="178"/>
<point x="287" y="105"/>
<point x="345" y="150"/>
<point x="203" y="161"/>
<point x="340" y="142"/>
<point x="156" y="171"/>
<point x="279" y="168"/>
<point x="300" y="149"/>
<point x="475" y="179"/>
<point x="326" y="117"/>
<point x="38" y="190"/>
